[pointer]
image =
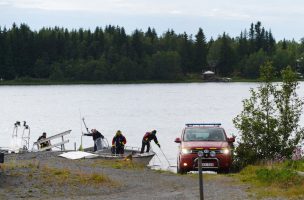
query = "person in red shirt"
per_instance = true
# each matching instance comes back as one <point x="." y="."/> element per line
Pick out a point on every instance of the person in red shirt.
<point x="147" y="139"/>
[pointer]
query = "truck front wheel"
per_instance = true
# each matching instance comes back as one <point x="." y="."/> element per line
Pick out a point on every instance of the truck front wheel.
<point x="180" y="170"/>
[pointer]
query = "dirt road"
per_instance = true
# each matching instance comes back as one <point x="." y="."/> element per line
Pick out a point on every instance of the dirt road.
<point x="24" y="179"/>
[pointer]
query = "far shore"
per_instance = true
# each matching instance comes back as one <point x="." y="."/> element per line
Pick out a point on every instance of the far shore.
<point x="72" y="82"/>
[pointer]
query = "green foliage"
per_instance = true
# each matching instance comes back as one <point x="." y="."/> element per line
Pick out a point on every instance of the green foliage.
<point x="279" y="176"/>
<point x="57" y="73"/>
<point x="200" y="51"/>
<point x="283" y="58"/>
<point x="297" y="165"/>
<point x="213" y="56"/>
<point x="222" y="56"/>
<point x="227" y="57"/>
<point x="109" y="54"/>
<point x="277" y="180"/>
<point x="289" y="107"/>
<point x="251" y="64"/>
<point x="165" y="66"/>
<point x="269" y="122"/>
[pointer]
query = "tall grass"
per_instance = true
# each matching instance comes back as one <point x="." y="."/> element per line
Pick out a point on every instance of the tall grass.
<point x="119" y="164"/>
<point x="280" y="179"/>
<point x="51" y="175"/>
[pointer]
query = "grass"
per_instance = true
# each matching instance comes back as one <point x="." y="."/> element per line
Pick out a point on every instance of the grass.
<point x="60" y="176"/>
<point x="297" y="165"/>
<point x="119" y="164"/>
<point x="66" y="176"/>
<point x="277" y="180"/>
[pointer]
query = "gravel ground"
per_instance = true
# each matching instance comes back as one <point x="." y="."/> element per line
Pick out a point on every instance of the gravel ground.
<point x="21" y="183"/>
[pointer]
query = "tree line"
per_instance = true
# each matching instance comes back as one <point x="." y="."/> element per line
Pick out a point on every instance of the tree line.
<point x="110" y="54"/>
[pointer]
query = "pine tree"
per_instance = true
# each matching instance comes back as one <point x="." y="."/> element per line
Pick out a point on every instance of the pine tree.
<point x="200" y="53"/>
<point x="226" y="57"/>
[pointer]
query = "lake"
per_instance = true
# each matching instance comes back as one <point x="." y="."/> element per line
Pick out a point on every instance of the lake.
<point x="132" y="108"/>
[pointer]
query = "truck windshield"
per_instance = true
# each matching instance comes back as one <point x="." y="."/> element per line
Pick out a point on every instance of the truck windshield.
<point x="204" y="134"/>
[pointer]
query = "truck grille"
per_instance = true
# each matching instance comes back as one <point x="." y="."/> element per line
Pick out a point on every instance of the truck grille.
<point x="195" y="151"/>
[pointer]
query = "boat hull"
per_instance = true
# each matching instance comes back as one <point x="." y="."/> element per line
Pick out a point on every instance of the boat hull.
<point x="130" y="153"/>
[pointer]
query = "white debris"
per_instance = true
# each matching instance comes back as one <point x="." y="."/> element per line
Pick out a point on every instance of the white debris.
<point x="73" y="155"/>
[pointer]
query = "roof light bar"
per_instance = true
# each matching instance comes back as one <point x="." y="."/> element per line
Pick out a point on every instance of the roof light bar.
<point x="203" y="124"/>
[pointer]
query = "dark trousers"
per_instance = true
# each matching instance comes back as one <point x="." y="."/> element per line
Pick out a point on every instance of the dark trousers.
<point x="145" y="143"/>
<point x="118" y="149"/>
<point x="95" y="147"/>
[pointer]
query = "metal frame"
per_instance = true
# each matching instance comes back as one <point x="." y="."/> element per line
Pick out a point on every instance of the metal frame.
<point x="26" y="136"/>
<point x="15" y="130"/>
<point x="61" y="144"/>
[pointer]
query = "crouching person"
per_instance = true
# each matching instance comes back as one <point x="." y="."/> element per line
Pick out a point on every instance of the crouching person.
<point x="44" y="144"/>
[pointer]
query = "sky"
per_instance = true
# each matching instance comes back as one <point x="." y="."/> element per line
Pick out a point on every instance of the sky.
<point x="284" y="18"/>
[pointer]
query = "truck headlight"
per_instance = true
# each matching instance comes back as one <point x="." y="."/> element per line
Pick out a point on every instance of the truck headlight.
<point x="186" y="151"/>
<point x="225" y="151"/>
<point x="212" y="153"/>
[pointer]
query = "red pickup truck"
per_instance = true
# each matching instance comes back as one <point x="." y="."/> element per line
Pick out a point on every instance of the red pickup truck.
<point x="211" y="140"/>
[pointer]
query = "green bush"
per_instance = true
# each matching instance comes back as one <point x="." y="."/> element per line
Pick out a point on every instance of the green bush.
<point x="297" y="165"/>
<point x="283" y="177"/>
<point x="269" y="123"/>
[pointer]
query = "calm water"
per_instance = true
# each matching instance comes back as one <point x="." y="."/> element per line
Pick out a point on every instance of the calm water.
<point x="133" y="109"/>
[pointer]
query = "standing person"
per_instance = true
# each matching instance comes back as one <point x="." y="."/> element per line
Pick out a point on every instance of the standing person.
<point x="147" y="139"/>
<point x="44" y="144"/>
<point x="118" y="143"/>
<point x="97" y="137"/>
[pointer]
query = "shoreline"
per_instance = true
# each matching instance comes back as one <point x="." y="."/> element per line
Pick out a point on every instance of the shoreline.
<point x="72" y="82"/>
<point x="46" y="82"/>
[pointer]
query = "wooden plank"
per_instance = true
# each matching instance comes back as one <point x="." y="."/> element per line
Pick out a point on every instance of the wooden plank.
<point x="54" y="145"/>
<point x="53" y="137"/>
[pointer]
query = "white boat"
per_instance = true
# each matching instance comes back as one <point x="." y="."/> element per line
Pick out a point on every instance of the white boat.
<point x="104" y="151"/>
<point x="131" y="153"/>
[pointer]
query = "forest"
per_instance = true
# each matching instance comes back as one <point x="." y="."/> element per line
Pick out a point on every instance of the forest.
<point x="109" y="54"/>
